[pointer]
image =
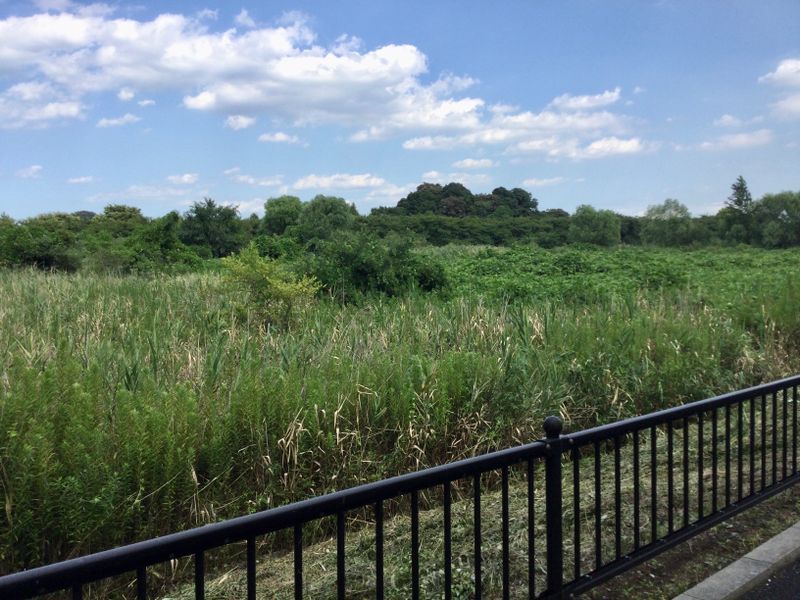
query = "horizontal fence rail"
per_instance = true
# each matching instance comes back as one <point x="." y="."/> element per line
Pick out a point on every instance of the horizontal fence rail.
<point x="595" y="503"/>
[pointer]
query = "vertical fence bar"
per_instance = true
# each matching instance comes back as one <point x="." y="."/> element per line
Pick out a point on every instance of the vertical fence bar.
<point x="298" y="562"/>
<point x="379" y="584"/>
<point x="794" y="429"/>
<point x="653" y="486"/>
<point x="531" y="531"/>
<point x="685" y="471"/>
<point x="555" y="564"/>
<point x="727" y="455"/>
<point x="714" y="460"/>
<point x="740" y="449"/>
<point x="670" y="482"/>
<point x="341" y="593"/>
<point x="141" y="583"/>
<point x="576" y="509"/>
<point x="251" y="568"/>
<point x="763" y="441"/>
<point x="617" y="501"/>
<point x="415" y="545"/>
<point x="598" y="535"/>
<point x="784" y="434"/>
<point x="636" y="490"/>
<point x="752" y="445"/>
<point x="505" y="534"/>
<point x="477" y="537"/>
<point x="199" y="576"/>
<point x="774" y="438"/>
<point x="448" y="549"/>
<point x="700" y="467"/>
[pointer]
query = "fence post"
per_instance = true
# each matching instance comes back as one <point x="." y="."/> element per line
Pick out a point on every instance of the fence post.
<point x="553" y="506"/>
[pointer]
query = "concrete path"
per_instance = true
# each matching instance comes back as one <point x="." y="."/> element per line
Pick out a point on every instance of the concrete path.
<point x="752" y="570"/>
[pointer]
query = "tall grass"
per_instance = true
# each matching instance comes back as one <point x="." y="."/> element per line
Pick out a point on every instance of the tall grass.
<point x="132" y="407"/>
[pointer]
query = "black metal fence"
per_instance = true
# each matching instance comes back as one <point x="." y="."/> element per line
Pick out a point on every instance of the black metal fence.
<point x="613" y="496"/>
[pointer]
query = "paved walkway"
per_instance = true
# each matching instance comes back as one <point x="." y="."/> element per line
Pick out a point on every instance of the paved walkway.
<point x="768" y="571"/>
<point x="784" y="585"/>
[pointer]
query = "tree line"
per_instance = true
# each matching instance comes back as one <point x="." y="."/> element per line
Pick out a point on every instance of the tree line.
<point x="328" y="237"/>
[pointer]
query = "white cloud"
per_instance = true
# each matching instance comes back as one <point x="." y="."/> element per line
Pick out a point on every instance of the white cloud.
<point x="207" y="14"/>
<point x="248" y="207"/>
<point x="125" y="119"/>
<point x="639" y="90"/>
<point x="237" y="122"/>
<point x="787" y="73"/>
<point x="32" y="172"/>
<point x="569" y="102"/>
<point x="146" y="102"/>
<point x="244" y="19"/>
<point x="727" y="121"/>
<point x="339" y="181"/>
<point x="126" y="94"/>
<point x="463" y="178"/>
<point x="739" y="140"/>
<point x="35" y="104"/>
<point x="235" y="174"/>
<point x="474" y="163"/>
<point x="184" y="179"/>
<point x="788" y="108"/>
<point x="535" y="182"/>
<point x="612" y="145"/>
<point x="279" y="137"/>
<point x="80" y="180"/>
<point x="148" y="192"/>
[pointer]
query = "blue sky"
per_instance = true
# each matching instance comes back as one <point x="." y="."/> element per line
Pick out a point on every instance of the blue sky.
<point x="618" y="104"/>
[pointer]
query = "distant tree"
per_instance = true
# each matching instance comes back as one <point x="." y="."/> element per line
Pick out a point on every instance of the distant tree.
<point x="738" y="213"/>
<point x="281" y="213"/>
<point x="48" y="241"/>
<point x="591" y="226"/>
<point x="213" y="227"/>
<point x="323" y="216"/>
<point x="740" y="199"/>
<point x="426" y="198"/>
<point x="667" y="224"/>
<point x="117" y="221"/>
<point x="776" y="220"/>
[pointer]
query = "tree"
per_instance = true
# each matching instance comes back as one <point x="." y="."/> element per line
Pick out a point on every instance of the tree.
<point x="323" y="216"/>
<point x="667" y="224"/>
<point x="214" y="227"/>
<point x="740" y="199"/>
<point x="591" y="226"/>
<point x="281" y="213"/>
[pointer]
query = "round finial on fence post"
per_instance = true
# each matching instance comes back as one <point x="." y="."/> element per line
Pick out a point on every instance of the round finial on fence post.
<point x="553" y="426"/>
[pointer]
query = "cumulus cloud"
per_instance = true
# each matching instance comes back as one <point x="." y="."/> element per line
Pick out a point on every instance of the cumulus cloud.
<point x="235" y="174"/>
<point x="339" y="181"/>
<point x="788" y="108"/>
<point x="569" y="102"/>
<point x="237" y="122"/>
<point x="125" y="119"/>
<point x="464" y="178"/>
<point x="536" y="182"/>
<point x="727" y="121"/>
<point x="739" y="140"/>
<point x="32" y="172"/>
<point x="184" y="179"/>
<point x="35" y="104"/>
<point x="148" y="192"/>
<point x="282" y="71"/>
<point x="126" y="94"/>
<point x="474" y="163"/>
<point x="80" y="180"/>
<point x="146" y="102"/>
<point x="279" y="138"/>
<point x="244" y="19"/>
<point x="787" y="73"/>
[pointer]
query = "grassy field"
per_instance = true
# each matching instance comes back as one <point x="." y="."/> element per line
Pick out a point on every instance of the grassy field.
<point x="132" y="407"/>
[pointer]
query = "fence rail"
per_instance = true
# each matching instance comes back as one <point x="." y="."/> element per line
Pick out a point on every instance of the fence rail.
<point x="614" y="496"/>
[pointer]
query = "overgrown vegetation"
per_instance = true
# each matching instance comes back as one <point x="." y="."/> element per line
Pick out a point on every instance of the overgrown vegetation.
<point x="134" y="406"/>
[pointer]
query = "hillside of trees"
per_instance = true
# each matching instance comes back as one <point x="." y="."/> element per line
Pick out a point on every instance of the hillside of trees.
<point x="327" y="237"/>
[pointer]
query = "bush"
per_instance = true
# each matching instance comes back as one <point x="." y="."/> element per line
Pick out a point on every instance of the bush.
<point x="271" y="291"/>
